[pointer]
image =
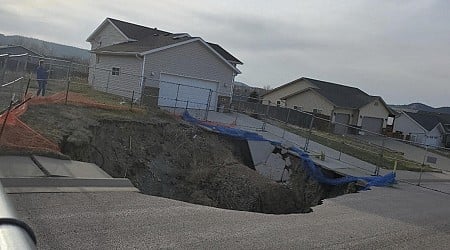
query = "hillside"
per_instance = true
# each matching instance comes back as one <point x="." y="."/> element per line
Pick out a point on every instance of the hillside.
<point x="422" y="107"/>
<point x="46" y="48"/>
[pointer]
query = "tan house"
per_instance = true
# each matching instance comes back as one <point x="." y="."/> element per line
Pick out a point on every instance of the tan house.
<point x="343" y="104"/>
<point x="179" y="70"/>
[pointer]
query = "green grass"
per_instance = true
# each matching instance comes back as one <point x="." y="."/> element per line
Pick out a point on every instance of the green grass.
<point x="364" y="151"/>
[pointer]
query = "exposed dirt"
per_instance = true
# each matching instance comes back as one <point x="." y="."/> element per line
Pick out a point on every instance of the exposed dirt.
<point x="167" y="157"/>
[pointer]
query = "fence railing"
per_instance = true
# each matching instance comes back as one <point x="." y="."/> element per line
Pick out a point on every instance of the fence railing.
<point x="317" y="133"/>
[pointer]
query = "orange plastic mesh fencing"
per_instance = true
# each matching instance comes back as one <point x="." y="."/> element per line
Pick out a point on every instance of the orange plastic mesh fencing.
<point x="17" y="135"/>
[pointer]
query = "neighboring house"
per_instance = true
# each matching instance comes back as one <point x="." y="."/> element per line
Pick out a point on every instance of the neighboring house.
<point x="426" y="128"/>
<point x="128" y="57"/>
<point x="343" y="104"/>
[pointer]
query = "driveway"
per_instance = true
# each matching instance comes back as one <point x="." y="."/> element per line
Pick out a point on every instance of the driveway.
<point x="411" y="152"/>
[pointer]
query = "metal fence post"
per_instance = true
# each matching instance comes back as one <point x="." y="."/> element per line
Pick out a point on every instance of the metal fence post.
<point x="287" y="117"/>
<point x="2" y="74"/>
<point x="380" y="163"/>
<point x="266" y="116"/>
<point x="132" y="100"/>
<point x="6" y="118"/>
<point x="423" y="165"/>
<point x="176" y="98"/>
<point x="26" y="89"/>
<point x="67" y="90"/>
<point x="25" y="66"/>
<point x="340" y="148"/>
<point x="107" y="80"/>
<point x="208" y="105"/>
<point x="309" y="133"/>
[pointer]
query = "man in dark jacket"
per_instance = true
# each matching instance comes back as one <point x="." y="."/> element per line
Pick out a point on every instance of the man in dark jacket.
<point x="42" y="76"/>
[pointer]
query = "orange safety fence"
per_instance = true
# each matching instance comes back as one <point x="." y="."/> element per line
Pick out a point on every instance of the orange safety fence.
<point x="18" y="135"/>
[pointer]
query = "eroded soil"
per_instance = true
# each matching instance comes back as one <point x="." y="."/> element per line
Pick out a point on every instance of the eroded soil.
<point x="167" y="157"/>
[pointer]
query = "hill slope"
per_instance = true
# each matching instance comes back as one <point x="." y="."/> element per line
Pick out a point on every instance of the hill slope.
<point x="49" y="49"/>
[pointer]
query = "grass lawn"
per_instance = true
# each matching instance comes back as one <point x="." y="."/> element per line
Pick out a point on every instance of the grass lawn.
<point x="370" y="153"/>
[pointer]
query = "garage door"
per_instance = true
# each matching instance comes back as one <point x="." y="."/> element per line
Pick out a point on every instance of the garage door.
<point x="372" y="124"/>
<point x="341" y="118"/>
<point x="179" y="91"/>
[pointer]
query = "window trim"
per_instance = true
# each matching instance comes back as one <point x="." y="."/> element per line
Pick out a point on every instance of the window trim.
<point x="115" y="71"/>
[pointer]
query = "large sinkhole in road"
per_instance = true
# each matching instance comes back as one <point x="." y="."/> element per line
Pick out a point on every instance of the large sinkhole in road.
<point x="184" y="162"/>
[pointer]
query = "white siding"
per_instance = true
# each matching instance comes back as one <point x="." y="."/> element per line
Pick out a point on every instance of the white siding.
<point x="276" y="95"/>
<point x="375" y="109"/>
<point x="408" y="126"/>
<point x="192" y="60"/>
<point x="123" y="84"/>
<point x="107" y="36"/>
<point x="310" y="100"/>
<point x="434" y="137"/>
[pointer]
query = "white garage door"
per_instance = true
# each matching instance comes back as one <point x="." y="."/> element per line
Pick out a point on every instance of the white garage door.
<point x="372" y="124"/>
<point x="179" y="91"/>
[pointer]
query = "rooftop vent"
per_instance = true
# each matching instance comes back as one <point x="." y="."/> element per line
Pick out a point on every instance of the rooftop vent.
<point x="181" y="35"/>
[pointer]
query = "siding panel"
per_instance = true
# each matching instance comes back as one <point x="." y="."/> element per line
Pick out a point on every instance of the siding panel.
<point x="276" y="95"/>
<point x="310" y="100"/>
<point x="372" y="110"/>
<point x="123" y="84"/>
<point x="193" y="60"/>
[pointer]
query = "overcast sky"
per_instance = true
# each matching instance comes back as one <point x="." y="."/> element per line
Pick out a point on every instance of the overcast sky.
<point x="399" y="50"/>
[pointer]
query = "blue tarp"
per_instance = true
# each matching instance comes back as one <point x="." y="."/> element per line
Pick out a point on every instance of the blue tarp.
<point x="309" y="165"/>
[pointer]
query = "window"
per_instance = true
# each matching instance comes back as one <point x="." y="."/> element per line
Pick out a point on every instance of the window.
<point x="115" y="71"/>
<point x="278" y="103"/>
<point x="295" y="107"/>
<point x="376" y="104"/>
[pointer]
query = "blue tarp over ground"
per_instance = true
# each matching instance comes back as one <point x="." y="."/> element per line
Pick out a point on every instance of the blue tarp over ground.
<point x="311" y="168"/>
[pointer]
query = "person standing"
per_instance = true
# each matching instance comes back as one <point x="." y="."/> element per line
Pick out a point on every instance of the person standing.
<point x="42" y="76"/>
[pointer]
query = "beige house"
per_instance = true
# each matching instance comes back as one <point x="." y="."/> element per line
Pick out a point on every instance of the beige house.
<point x="175" y="69"/>
<point x="343" y="104"/>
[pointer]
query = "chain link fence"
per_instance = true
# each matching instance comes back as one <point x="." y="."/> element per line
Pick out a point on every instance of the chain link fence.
<point x="316" y="133"/>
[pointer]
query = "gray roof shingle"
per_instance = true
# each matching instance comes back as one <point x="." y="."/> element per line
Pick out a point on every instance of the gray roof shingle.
<point x="341" y="95"/>
<point x="429" y="120"/>
<point x="426" y="119"/>
<point x="152" y="38"/>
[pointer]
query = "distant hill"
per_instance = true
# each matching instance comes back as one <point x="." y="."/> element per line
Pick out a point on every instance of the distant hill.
<point x="49" y="49"/>
<point x="421" y="107"/>
<point x="241" y="84"/>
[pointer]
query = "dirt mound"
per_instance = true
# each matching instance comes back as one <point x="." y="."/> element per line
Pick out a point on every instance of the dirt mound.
<point x="166" y="157"/>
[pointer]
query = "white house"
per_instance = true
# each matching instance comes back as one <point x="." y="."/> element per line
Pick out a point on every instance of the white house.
<point x="172" y="68"/>
<point x="421" y="127"/>
<point x="342" y="104"/>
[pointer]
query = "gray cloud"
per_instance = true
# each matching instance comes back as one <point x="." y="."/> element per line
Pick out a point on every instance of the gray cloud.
<point x="399" y="50"/>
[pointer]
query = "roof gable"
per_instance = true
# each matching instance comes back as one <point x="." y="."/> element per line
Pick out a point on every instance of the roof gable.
<point x="142" y="39"/>
<point x="341" y="95"/>
<point x="426" y="120"/>
<point x="100" y="28"/>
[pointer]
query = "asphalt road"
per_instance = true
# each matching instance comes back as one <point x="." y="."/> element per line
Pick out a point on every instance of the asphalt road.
<point x="404" y="217"/>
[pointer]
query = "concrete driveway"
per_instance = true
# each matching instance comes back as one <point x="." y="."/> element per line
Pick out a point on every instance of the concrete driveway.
<point x="411" y="152"/>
